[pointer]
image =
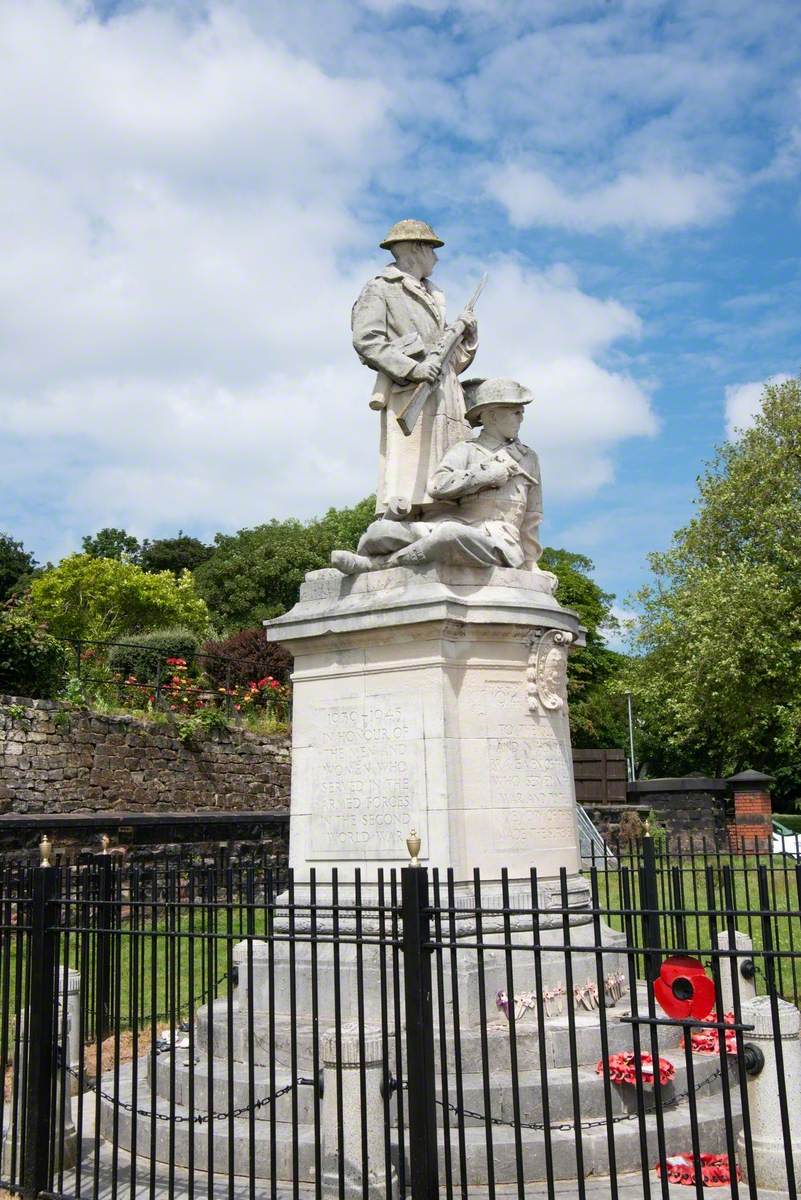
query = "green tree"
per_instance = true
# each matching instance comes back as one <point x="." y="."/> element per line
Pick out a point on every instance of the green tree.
<point x="597" y="714"/>
<point x="181" y="553"/>
<point x="112" y="543"/>
<point x="32" y="663"/>
<point x="256" y="573"/>
<point x="105" y="598"/>
<point x="15" y="563"/>
<point x="717" y="680"/>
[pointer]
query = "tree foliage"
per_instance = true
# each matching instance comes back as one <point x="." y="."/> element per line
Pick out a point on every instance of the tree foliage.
<point x="15" y="563"/>
<point x="32" y="663"/>
<point x="597" y="716"/>
<point x="718" y="678"/>
<point x="106" y="598"/>
<point x="244" y="657"/>
<point x="256" y="573"/>
<point x="112" y="543"/>
<point x="181" y="553"/>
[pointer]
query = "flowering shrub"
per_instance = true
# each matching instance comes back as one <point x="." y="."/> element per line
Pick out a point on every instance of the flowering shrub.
<point x="185" y="695"/>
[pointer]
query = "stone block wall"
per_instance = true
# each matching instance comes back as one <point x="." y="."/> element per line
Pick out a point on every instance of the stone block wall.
<point x="55" y="760"/>
<point x="693" y="811"/>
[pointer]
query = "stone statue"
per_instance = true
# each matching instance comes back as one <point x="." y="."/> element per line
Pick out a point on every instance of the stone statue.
<point x="486" y="497"/>
<point x="398" y="325"/>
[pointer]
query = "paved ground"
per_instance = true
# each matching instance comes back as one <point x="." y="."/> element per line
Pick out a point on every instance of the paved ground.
<point x="629" y="1187"/>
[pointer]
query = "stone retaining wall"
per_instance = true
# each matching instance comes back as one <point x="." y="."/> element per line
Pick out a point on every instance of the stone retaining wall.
<point x="57" y="760"/>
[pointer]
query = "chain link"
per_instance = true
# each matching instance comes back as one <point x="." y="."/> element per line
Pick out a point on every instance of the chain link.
<point x="179" y="1119"/>
<point x="567" y="1126"/>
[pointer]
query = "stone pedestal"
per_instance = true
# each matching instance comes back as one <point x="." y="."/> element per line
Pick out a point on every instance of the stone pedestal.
<point x="432" y="697"/>
<point x="740" y="964"/>
<point x="767" y="1143"/>
<point x="362" y="1147"/>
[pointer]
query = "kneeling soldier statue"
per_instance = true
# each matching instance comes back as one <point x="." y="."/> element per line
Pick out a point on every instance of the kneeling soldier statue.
<point x="486" y="492"/>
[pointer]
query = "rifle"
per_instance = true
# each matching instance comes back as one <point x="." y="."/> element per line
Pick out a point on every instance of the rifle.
<point x="407" y="417"/>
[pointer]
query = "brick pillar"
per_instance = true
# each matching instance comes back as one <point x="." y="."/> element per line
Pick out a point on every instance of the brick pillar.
<point x="751" y="830"/>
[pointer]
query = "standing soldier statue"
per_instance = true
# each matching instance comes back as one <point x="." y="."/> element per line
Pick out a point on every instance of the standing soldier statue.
<point x="399" y="330"/>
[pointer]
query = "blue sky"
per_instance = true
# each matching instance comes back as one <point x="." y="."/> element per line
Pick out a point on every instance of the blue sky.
<point x="192" y="198"/>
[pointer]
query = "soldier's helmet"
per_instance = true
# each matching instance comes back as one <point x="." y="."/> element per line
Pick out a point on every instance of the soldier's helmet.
<point x="481" y="393"/>
<point x="410" y="231"/>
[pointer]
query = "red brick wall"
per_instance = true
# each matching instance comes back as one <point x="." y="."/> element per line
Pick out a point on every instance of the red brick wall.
<point x="751" y="830"/>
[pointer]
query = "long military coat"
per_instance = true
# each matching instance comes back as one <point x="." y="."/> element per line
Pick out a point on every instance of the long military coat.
<point x="396" y="321"/>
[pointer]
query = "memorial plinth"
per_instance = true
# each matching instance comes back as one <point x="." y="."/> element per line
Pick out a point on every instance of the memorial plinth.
<point x="432" y="697"/>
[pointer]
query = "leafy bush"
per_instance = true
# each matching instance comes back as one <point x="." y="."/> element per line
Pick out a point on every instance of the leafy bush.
<point x="248" y="656"/>
<point x="140" y="656"/>
<point x="195" y="729"/>
<point x="32" y="663"/>
<point x="107" y="599"/>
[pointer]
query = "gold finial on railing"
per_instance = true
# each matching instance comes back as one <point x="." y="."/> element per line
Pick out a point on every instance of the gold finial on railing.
<point x="45" y="850"/>
<point x="413" y="844"/>
<point x="646" y="833"/>
<point x="105" y="842"/>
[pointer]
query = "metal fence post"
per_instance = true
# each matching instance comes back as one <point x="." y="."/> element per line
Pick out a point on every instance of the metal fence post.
<point x="105" y="924"/>
<point x="40" y="1032"/>
<point x="419" y="1035"/>
<point x="649" y="897"/>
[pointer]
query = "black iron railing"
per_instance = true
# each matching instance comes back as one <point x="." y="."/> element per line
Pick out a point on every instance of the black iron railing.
<point x="189" y="1028"/>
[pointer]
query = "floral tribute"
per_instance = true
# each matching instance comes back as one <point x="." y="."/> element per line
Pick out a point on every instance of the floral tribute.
<point x="553" y="1001"/>
<point x="715" y="1170"/>
<point x="623" y="1068"/>
<point x="707" y="1041"/>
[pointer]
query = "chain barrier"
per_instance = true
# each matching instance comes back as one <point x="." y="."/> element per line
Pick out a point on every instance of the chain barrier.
<point x="569" y="1126"/>
<point x="191" y="1004"/>
<point x="200" y="1118"/>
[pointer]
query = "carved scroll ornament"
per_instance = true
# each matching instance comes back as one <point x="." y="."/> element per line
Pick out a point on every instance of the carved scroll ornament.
<point x="547" y="670"/>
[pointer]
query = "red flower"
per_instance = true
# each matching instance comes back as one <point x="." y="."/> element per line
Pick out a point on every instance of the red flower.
<point x="707" y="1041"/>
<point x="623" y="1068"/>
<point x="715" y="1169"/>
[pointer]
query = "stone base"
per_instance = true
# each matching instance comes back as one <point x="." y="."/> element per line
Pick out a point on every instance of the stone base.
<point x="431" y="697"/>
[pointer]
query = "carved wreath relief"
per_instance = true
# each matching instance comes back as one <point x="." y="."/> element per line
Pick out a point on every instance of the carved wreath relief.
<point x="547" y="670"/>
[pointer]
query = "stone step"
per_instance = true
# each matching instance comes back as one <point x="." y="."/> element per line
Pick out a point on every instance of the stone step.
<point x="212" y="1144"/>
<point x="594" y="1143"/>
<point x="558" y="1048"/>
<point x="529" y="1089"/>
<point x="234" y="1138"/>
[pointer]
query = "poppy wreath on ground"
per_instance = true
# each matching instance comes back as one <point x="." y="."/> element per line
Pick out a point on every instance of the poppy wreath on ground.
<point x="707" y="1041"/>
<point x="623" y="1068"/>
<point x="715" y="1170"/>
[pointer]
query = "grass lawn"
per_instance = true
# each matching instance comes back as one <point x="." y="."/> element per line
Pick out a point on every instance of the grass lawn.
<point x="160" y="966"/>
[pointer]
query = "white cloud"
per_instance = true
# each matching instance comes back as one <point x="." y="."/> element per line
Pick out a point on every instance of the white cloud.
<point x="179" y="251"/>
<point x="541" y="328"/>
<point x="743" y="402"/>
<point x="649" y="200"/>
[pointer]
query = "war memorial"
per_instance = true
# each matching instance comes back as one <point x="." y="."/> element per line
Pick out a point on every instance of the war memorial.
<point x="435" y="1000"/>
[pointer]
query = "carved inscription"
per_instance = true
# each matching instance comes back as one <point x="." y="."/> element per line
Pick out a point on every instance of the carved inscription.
<point x="514" y="830"/>
<point x="530" y="772"/>
<point x="369" y="775"/>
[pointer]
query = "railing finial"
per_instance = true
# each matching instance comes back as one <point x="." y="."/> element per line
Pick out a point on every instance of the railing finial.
<point x="413" y="844"/>
<point x="45" y="850"/>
